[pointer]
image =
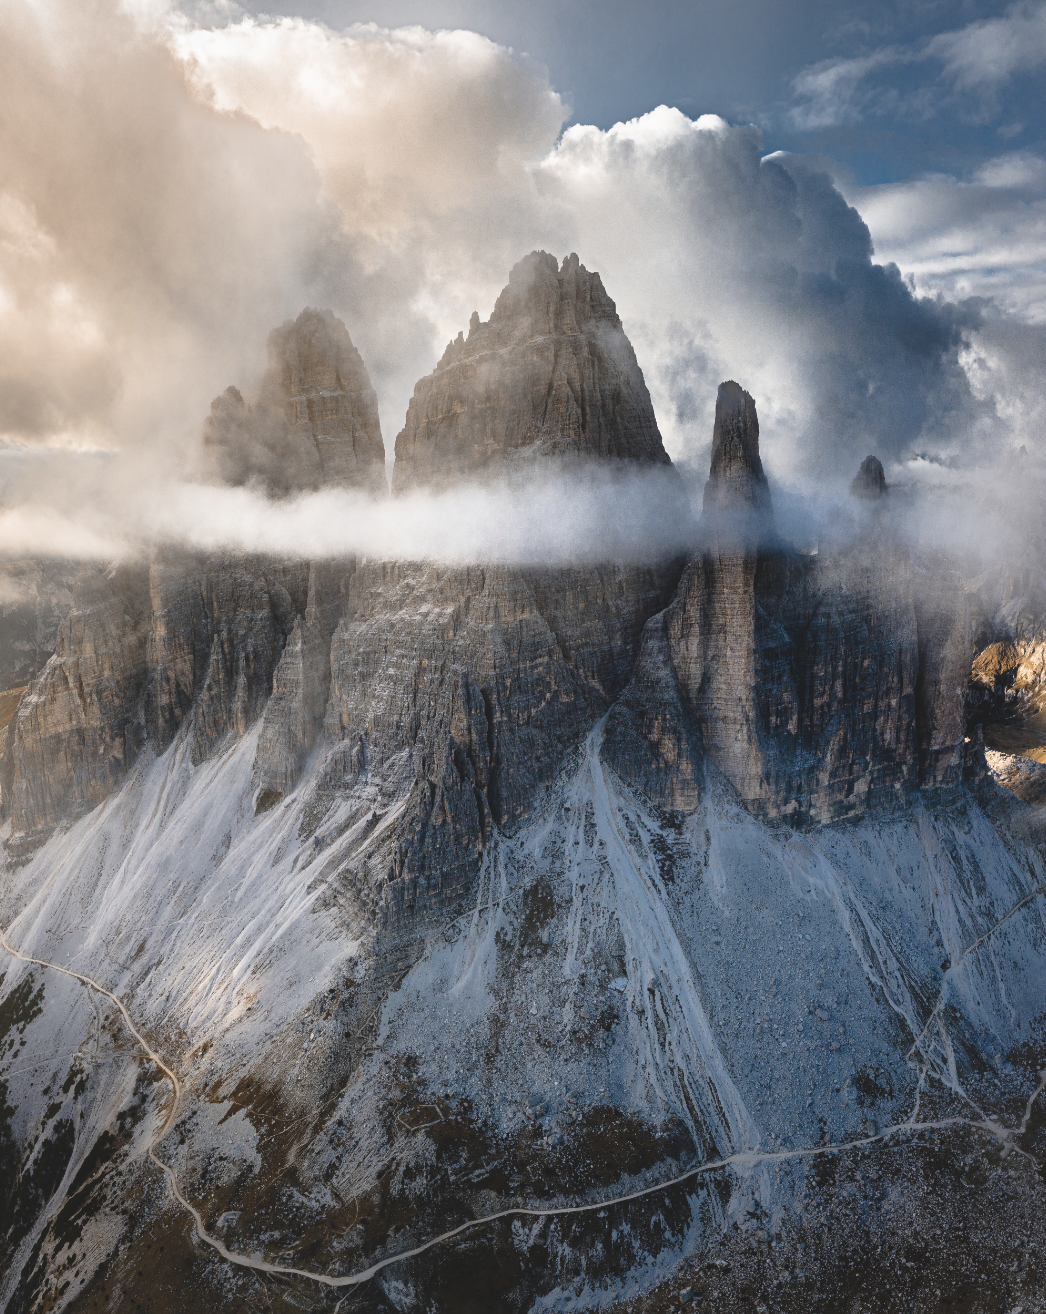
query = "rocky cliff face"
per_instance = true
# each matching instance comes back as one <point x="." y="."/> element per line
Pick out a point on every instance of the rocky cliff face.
<point x="78" y="729"/>
<point x="315" y="423"/>
<point x="550" y="375"/>
<point x="444" y="893"/>
<point x="143" y="651"/>
<point x="822" y="686"/>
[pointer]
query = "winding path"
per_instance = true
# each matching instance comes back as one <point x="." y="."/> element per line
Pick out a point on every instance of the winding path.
<point x="744" y="1159"/>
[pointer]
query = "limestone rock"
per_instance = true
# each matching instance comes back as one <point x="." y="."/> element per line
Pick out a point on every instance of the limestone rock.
<point x="945" y="656"/>
<point x="822" y="686"/>
<point x="315" y="423"/>
<point x="78" y="729"/>
<point x="35" y="597"/>
<point x="737" y="495"/>
<point x="651" y="738"/>
<point x="301" y="683"/>
<point x="452" y="692"/>
<point x="217" y="630"/>
<point x="551" y="374"/>
<point x="141" y="652"/>
<point x="870" y="481"/>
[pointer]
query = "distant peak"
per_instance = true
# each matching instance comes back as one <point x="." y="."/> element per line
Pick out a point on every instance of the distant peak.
<point x="736" y="481"/>
<point x="870" y="481"/>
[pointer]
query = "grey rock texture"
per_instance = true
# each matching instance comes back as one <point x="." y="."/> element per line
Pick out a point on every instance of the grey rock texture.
<point x="438" y="701"/>
<point x="35" y="597"/>
<point x="140" y="651"/>
<point x="869" y="482"/>
<point x="301" y="682"/>
<point x="461" y="692"/>
<point x="217" y="630"/>
<point x="436" y="704"/>
<point x="551" y="374"/>
<point x="78" y="730"/>
<point x="316" y="420"/>
<point x="737" y="495"/>
<point x="822" y="686"/>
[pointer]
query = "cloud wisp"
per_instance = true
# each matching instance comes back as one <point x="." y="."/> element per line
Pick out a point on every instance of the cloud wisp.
<point x="972" y="63"/>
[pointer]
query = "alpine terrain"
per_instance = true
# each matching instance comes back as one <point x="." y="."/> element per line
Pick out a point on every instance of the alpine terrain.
<point x="387" y="935"/>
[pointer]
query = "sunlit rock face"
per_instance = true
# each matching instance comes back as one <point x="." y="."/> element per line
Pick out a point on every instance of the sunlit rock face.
<point x="188" y="639"/>
<point x="315" y="423"/>
<point x="551" y="374"/>
<point x="78" y="728"/>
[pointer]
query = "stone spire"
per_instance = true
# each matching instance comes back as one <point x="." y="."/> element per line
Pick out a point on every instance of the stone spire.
<point x="550" y="374"/>
<point x="737" y="490"/>
<point x="316" y="421"/>
<point x="870" y="481"/>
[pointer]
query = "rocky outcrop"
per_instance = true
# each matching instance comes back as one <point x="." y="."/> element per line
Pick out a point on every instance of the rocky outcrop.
<point x="217" y="630"/>
<point x="455" y="700"/>
<point x="438" y="702"/>
<point x="942" y="612"/>
<point x="141" y="652"/>
<point x="316" y="420"/>
<point x="427" y="708"/>
<point x="35" y="597"/>
<point x="870" y="481"/>
<point x="78" y="729"/>
<point x="737" y="504"/>
<point x="551" y="374"/>
<point x="821" y="686"/>
<point x="301" y="684"/>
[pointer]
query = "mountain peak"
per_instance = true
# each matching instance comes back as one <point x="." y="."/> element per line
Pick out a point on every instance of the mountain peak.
<point x="550" y="374"/>
<point x="316" y="420"/>
<point x="870" y="481"/>
<point x="736" y="481"/>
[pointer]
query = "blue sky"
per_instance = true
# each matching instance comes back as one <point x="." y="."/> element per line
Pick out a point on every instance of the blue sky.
<point x="886" y="89"/>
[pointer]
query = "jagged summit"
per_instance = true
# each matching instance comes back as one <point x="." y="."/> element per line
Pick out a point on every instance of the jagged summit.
<point x="870" y="481"/>
<point x="550" y="374"/>
<point x="316" y="420"/>
<point x="736" y="484"/>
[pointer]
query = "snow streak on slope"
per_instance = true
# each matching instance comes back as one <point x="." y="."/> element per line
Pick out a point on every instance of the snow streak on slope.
<point x="679" y="988"/>
<point x="617" y="888"/>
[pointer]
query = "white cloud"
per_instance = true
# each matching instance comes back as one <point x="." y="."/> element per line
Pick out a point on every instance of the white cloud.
<point x="172" y="193"/>
<point x="979" y="58"/>
<point x="983" y="236"/>
<point x="989" y="53"/>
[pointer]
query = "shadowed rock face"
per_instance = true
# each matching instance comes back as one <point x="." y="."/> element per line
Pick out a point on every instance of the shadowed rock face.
<point x="551" y="374"/>
<point x="870" y="481"/>
<point x="316" y="421"/>
<point x="737" y="492"/>
<point x="78" y="728"/>
<point x="189" y="640"/>
<point x="821" y="687"/>
<point x="446" y="699"/>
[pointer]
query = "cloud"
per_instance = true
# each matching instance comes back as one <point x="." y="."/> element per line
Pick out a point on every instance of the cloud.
<point x="988" y="53"/>
<point x="171" y="193"/>
<point x="980" y="236"/>
<point x="726" y="264"/>
<point x="975" y="61"/>
<point x="558" y="517"/>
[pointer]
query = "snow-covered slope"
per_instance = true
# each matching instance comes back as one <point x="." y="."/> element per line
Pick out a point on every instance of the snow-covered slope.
<point x="630" y="995"/>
